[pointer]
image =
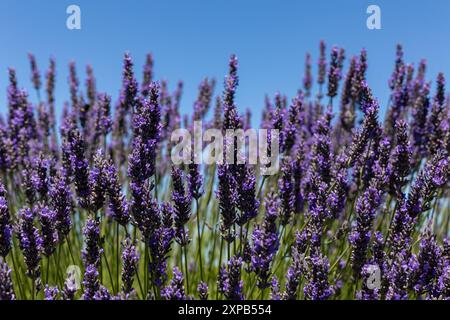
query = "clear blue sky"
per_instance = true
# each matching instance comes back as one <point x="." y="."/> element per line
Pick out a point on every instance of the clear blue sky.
<point x="193" y="39"/>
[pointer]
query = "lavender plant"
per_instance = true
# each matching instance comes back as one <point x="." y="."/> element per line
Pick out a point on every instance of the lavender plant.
<point x="359" y="208"/>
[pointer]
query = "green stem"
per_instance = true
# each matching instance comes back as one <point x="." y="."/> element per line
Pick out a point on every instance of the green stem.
<point x="186" y="269"/>
<point x="199" y="239"/>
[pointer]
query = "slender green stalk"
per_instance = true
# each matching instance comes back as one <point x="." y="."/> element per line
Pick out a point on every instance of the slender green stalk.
<point x="186" y="268"/>
<point x="199" y="231"/>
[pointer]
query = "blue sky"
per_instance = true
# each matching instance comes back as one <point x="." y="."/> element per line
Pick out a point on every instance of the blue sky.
<point x="193" y="39"/>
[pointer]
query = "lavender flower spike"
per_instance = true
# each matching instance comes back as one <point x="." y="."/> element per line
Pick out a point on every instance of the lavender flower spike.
<point x="174" y="291"/>
<point x="265" y="242"/>
<point x="182" y="206"/>
<point x="30" y="242"/>
<point x="130" y="259"/>
<point x="47" y="219"/>
<point x="6" y="285"/>
<point x="5" y="225"/>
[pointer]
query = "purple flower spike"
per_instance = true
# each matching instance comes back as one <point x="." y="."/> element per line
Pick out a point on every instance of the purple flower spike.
<point x="47" y="219"/>
<point x="5" y="225"/>
<point x="130" y="260"/>
<point x="6" y="285"/>
<point x="91" y="254"/>
<point x="90" y="282"/>
<point x="51" y="293"/>
<point x="182" y="206"/>
<point x="61" y="202"/>
<point x="30" y="242"/>
<point x="202" y="290"/>
<point x="174" y="291"/>
<point x="229" y="281"/>
<point x="317" y="287"/>
<point x="265" y="242"/>
<point x="35" y="75"/>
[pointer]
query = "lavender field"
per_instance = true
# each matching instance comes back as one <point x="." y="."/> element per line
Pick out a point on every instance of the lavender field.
<point x="92" y="206"/>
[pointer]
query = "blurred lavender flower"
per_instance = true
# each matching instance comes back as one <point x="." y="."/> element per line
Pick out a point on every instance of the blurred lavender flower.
<point x="322" y="67"/>
<point x="6" y="284"/>
<point x="5" y="224"/>
<point x="50" y="89"/>
<point x="334" y="73"/>
<point x="35" y="75"/>
<point x="147" y="75"/>
<point x="307" y="79"/>
<point x="73" y="84"/>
